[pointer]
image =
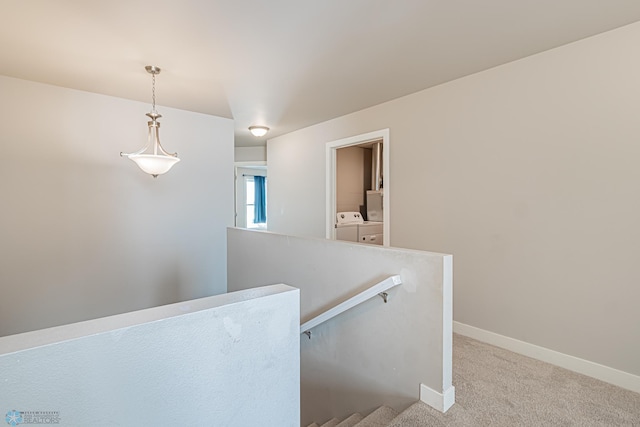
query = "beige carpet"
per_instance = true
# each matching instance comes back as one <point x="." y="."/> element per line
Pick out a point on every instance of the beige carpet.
<point x="495" y="387"/>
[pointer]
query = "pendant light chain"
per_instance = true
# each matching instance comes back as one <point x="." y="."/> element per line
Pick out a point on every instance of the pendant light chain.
<point x="153" y="91"/>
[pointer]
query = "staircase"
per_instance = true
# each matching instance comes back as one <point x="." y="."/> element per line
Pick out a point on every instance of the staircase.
<point x="418" y="414"/>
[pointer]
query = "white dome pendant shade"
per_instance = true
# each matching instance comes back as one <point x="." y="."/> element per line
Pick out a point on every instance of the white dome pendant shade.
<point x="153" y="164"/>
<point x="157" y="163"/>
<point x="160" y="161"/>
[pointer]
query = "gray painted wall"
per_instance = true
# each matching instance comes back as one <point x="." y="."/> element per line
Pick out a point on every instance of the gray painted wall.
<point x="250" y="154"/>
<point x="83" y="232"/>
<point x="191" y="363"/>
<point x="528" y="174"/>
<point x="374" y="354"/>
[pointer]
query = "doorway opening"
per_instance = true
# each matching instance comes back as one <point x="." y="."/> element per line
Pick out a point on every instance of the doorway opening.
<point x="369" y="142"/>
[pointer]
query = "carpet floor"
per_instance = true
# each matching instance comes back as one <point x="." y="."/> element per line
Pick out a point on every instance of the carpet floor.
<point x="495" y="387"/>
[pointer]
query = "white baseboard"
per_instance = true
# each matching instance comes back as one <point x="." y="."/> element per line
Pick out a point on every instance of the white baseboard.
<point x="585" y="367"/>
<point x="440" y="401"/>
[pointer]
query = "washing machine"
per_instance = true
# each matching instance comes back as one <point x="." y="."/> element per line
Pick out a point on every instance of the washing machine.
<point x="351" y="227"/>
<point x="347" y="226"/>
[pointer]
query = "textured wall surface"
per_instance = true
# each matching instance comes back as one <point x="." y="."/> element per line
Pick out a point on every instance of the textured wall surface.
<point x="226" y="360"/>
<point x="375" y="353"/>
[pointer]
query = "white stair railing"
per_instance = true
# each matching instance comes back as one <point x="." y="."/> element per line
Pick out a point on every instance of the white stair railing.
<point x="377" y="289"/>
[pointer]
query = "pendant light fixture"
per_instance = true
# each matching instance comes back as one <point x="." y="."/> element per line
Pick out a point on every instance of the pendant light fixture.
<point x="159" y="161"/>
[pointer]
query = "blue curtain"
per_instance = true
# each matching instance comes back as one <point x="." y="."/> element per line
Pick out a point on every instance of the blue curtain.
<point x="260" y="200"/>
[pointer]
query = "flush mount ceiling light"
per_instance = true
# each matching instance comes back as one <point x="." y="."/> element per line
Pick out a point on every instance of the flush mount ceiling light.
<point x="258" y="130"/>
<point x="154" y="164"/>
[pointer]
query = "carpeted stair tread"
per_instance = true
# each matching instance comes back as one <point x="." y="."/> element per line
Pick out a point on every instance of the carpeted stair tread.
<point x="351" y="421"/>
<point x="381" y="417"/>
<point x="313" y="425"/>
<point x="333" y="422"/>
<point x="417" y="415"/>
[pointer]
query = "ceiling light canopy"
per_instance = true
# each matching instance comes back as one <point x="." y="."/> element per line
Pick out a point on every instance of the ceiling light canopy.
<point x="154" y="164"/>
<point x="258" y="130"/>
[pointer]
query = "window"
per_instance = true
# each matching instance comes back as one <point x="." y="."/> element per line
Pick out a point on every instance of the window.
<point x="250" y="192"/>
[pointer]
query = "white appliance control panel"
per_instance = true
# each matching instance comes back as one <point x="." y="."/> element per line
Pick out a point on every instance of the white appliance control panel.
<point x="349" y="218"/>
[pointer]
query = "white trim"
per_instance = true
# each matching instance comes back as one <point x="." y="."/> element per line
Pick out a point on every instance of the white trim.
<point x="440" y="401"/>
<point x="572" y="363"/>
<point x="330" y="200"/>
<point x="447" y="321"/>
<point x="251" y="163"/>
<point x="330" y="164"/>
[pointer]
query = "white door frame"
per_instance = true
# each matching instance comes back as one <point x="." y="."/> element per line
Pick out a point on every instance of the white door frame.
<point x="331" y="149"/>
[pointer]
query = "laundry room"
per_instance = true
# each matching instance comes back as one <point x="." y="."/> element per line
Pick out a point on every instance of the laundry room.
<point x="359" y="193"/>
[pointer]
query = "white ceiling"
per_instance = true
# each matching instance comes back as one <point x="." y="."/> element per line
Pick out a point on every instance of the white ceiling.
<point x="285" y="64"/>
